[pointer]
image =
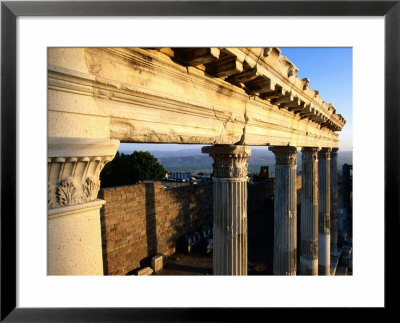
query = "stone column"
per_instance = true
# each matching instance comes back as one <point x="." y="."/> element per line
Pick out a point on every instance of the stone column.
<point x="324" y="208"/>
<point x="285" y="211"/>
<point x="74" y="230"/>
<point x="309" y="213"/>
<point x="334" y="202"/>
<point x="230" y="208"/>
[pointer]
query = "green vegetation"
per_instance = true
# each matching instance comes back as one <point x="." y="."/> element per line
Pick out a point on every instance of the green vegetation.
<point x="131" y="169"/>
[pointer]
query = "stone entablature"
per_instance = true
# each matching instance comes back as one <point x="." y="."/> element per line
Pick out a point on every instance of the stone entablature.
<point x="266" y="73"/>
<point x="142" y="95"/>
<point x="74" y="166"/>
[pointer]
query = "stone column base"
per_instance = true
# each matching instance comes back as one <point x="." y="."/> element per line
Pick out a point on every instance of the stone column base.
<point x="74" y="240"/>
<point x="308" y="267"/>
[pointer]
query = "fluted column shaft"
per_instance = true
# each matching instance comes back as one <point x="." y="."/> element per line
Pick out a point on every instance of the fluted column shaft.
<point x="309" y="213"/>
<point x="285" y="211"/>
<point x="324" y="208"/>
<point x="73" y="227"/>
<point x="334" y="201"/>
<point x="230" y="208"/>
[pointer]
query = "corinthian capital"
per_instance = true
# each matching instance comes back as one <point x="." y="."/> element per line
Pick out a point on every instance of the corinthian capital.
<point x="325" y="153"/>
<point x="230" y="161"/>
<point x="74" y="166"/>
<point x="334" y="152"/>
<point x="310" y="154"/>
<point x="285" y="155"/>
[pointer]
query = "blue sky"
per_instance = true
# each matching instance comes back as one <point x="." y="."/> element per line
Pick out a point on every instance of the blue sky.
<point x="330" y="71"/>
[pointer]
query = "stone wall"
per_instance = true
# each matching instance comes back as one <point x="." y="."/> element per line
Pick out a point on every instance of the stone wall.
<point x="139" y="221"/>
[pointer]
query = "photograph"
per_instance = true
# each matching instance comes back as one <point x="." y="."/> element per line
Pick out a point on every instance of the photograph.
<point x="175" y="161"/>
<point x="200" y="161"/>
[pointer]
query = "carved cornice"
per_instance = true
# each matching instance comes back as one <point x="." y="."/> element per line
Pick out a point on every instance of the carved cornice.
<point x="286" y="156"/>
<point x="74" y="166"/>
<point x="263" y="72"/>
<point x="230" y="161"/>
<point x="139" y="111"/>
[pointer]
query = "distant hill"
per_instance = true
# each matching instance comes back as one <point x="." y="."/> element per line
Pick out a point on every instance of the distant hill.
<point x="344" y="157"/>
<point x="201" y="163"/>
<point x="170" y="153"/>
<point x="193" y="160"/>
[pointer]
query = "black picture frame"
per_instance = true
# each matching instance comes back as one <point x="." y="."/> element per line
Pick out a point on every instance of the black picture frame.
<point x="10" y="10"/>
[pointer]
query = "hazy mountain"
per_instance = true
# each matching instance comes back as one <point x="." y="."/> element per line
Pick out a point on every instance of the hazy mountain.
<point x="171" y="153"/>
<point x="193" y="160"/>
<point x="345" y="157"/>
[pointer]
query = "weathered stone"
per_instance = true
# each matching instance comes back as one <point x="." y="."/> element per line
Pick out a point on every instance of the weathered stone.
<point x="309" y="213"/>
<point x="141" y="95"/>
<point x="229" y="161"/>
<point x="146" y="271"/>
<point x="157" y="263"/>
<point x="74" y="240"/>
<point x="74" y="231"/>
<point x="219" y="96"/>
<point x="285" y="211"/>
<point x="334" y="202"/>
<point x="230" y="209"/>
<point x="324" y="207"/>
<point x="74" y="166"/>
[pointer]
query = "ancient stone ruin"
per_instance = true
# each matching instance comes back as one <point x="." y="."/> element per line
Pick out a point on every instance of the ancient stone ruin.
<point x="225" y="98"/>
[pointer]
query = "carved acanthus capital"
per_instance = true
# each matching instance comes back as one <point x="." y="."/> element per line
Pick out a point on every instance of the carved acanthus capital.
<point x="309" y="154"/>
<point x="230" y="161"/>
<point x="325" y="153"/>
<point x="285" y="155"/>
<point x="334" y="153"/>
<point x="74" y="166"/>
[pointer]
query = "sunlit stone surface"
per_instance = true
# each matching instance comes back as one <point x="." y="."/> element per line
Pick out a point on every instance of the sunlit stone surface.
<point x="74" y="231"/>
<point x="285" y="211"/>
<point x="230" y="208"/>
